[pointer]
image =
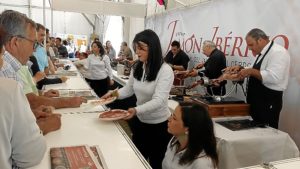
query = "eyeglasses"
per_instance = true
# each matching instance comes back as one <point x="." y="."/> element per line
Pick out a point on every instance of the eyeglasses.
<point x="35" y="43"/>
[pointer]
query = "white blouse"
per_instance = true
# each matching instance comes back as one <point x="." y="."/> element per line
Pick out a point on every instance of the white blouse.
<point x="171" y="160"/>
<point x="152" y="97"/>
<point x="99" y="67"/>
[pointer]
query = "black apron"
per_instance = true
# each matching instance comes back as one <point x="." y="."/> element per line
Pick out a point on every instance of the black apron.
<point x="265" y="103"/>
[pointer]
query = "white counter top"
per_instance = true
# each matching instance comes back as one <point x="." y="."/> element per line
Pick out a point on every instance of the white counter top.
<point x="86" y="128"/>
<point x="293" y="163"/>
<point x="120" y="79"/>
<point x="82" y="126"/>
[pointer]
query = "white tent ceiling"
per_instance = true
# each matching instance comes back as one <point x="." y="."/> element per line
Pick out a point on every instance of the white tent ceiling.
<point x="101" y="7"/>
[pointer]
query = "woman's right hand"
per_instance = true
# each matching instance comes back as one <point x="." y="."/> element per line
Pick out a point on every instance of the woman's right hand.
<point x="110" y="93"/>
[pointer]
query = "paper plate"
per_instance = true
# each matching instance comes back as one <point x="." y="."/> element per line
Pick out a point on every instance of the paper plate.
<point x="103" y="101"/>
<point x="115" y="114"/>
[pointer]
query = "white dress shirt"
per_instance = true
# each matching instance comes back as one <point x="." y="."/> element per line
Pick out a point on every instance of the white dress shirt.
<point x="171" y="160"/>
<point x="275" y="67"/>
<point x="99" y="67"/>
<point x="21" y="142"/>
<point x="152" y="97"/>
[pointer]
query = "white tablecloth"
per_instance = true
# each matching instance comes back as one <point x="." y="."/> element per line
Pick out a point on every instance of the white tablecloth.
<point x="85" y="128"/>
<point x="254" y="146"/>
<point x="250" y="147"/>
<point x="293" y="163"/>
<point x="119" y="79"/>
<point x="73" y="83"/>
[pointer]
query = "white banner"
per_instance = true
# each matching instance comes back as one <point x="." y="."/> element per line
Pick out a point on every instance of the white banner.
<point x="226" y="22"/>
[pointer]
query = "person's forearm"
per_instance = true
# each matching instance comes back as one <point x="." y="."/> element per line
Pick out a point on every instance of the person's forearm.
<point x="255" y="73"/>
<point x="177" y="67"/>
<point x="35" y="101"/>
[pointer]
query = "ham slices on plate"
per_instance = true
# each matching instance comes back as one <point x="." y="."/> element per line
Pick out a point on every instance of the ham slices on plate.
<point x="115" y="114"/>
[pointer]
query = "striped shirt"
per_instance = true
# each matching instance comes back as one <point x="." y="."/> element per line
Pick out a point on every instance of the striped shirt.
<point x="10" y="67"/>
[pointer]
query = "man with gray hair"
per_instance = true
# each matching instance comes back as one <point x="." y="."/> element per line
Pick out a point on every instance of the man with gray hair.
<point x="213" y="67"/>
<point x="267" y="78"/>
<point x="20" y="42"/>
<point x="22" y="144"/>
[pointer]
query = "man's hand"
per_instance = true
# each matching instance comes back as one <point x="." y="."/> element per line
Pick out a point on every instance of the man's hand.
<point x="232" y="69"/>
<point x="76" y="101"/>
<point x="50" y="123"/>
<point x="39" y="76"/>
<point x="63" y="79"/>
<point x="193" y="73"/>
<point x="216" y="82"/>
<point x="51" y="93"/>
<point x="250" y="72"/>
<point x="199" y="82"/>
<point x="199" y="66"/>
<point x="43" y="111"/>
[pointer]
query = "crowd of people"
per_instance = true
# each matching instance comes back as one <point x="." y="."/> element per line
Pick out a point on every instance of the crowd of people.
<point x="182" y="139"/>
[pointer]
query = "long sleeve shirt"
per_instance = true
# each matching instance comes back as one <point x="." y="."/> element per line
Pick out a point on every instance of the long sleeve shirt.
<point x="152" y="97"/>
<point x="171" y="160"/>
<point x="99" y="67"/>
<point x="10" y="67"/>
<point x="275" y="67"/>
<point x="21" y="142"/>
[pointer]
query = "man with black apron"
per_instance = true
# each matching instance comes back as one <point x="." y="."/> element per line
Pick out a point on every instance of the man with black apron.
<point x="268" y="77"/>
<point x="265" y="103"/>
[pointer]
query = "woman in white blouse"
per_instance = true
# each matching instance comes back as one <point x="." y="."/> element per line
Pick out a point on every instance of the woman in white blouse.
<point x="150" y="80"/>
<point x="194" y="144"/>
<point x="98" y="66"/>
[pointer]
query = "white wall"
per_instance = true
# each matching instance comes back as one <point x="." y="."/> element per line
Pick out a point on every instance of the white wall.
<point x="63" y="22"/>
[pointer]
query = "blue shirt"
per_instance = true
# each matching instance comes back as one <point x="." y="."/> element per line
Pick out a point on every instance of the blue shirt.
<point x="41" y="57"/>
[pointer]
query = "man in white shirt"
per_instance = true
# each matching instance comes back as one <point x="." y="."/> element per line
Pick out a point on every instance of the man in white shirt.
<point x="268" y="77"/>
<point x="22" y="144"/>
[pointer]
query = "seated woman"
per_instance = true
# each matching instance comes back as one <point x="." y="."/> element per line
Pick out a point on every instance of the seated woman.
<point x="194" y="144"/>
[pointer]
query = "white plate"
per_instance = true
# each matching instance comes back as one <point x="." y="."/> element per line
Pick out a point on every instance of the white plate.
<point x="103" y="101"/>
<point x="115" y="114"/>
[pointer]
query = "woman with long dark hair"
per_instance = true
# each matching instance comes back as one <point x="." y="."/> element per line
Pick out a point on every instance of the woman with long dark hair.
<point x="151" y="80"/>
<point x="194" y="144"/>
<point x="98" y="66"/>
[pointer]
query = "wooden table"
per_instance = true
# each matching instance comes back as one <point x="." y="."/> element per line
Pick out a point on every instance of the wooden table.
<point x="225" y="109"/>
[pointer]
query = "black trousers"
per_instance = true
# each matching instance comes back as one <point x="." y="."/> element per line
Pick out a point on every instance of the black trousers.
<point x="266" y="110"/>
<point x="99" y="86"/>
<point x="151" y="140"/>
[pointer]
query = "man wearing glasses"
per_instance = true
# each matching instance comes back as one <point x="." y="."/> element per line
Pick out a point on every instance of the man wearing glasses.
<point x="21" y="142"/>
<point x="20" y="42"/>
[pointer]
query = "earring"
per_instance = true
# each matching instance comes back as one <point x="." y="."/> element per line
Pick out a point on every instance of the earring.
<point x="186" y="132"/>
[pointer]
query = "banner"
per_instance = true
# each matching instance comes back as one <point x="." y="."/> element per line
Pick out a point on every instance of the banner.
<point x="226" y="22"/>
